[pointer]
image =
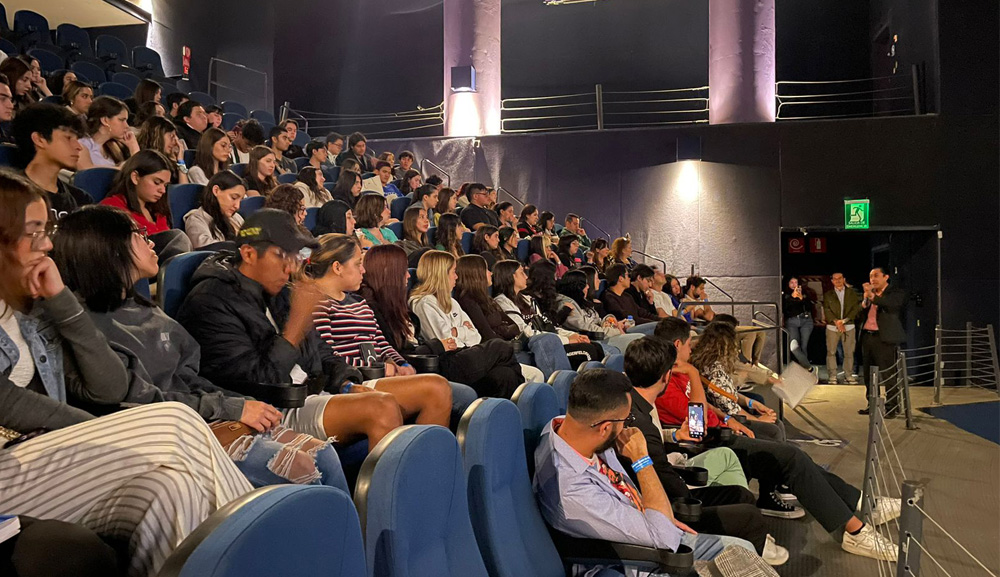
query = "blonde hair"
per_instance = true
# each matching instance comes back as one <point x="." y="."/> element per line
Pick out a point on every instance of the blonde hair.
<point x="432" y="278"/>
<point x="619" y="246"/>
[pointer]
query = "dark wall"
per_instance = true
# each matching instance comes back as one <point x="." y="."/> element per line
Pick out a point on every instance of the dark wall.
<point x="823" y="40"/>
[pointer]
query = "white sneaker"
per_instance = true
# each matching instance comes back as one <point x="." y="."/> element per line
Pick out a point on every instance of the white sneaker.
<point x="886" y="509"/>
<point x="774" y="554"/>
<point x="869" y="543"/>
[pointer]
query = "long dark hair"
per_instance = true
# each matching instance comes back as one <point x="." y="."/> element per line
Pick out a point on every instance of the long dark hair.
<point x="503" y="283"/>
<point x="479" y="244"/>
<point x="447" y="234"/>
<point x="405" y="185"/>
<point x="471" y="270"/>
<point x="444" y="199"/>
<point x="565" y="242"/>
<point x="542" y="288"/>
<point x="544" y="218"/>
<point x="342" y="190"/>
<point x="264" y="187"/>
<point x="572" y="285"/>
<point x="307" y="176"/>
<point x="144" y="162"/>
<point x="385" y="284"/>
<point x="93" y="251"/>
<point x="204" y="157"/>
<point x="16" y="193"/>
<point x="221" y="224"/>
<point x="410" y="231"/>
<point x="332" y="218"/>
<point x="146" y="91"/>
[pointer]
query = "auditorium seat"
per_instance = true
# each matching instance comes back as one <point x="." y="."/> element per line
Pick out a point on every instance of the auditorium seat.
<point x="7" y="46"/>
<point x="601" y="287"/>
<point x="174" y="280"/>
<point x="5" y="29"/>
<point x="276" y="530"/>
<point x="127" y="79"/>
<point x="182" y="199"/>
<point x="301" y="162"/>
<point x="31" y="28"/>
<point x="397" y="229"/>
<point x="412" y="281"/>
<point x="239" y="169"/>
<point x="189" y="156"/>
<point x="302" y="138"/>
<point x="115" y="90"/>
<point x="229" y="120"/>
<point x="310" y="221"/>
<point x="74" y="40"/>
<point x="147" y="62"/>
<point x="398" y="206"/>
<point x="262" y="116"/>
<point x="523" y="250"/>
<point x="48" y="61"/>
<point x="560" y="381"/>
<point x="287" y="178"/>
<point x="250" y="205"/>
<point x="234" y="107"/>
<point x="89" y="72"/>
<point x="112" y="50"/>
<point x="432" y="234"/>
<point x="95" y="181"/>
<point x="413" y="504"/>
<point x="591" y="365"/>
<point x="467" y="241"/>
<point x="8" y="153"/>
<point x="332" y="174"/>
<point x="142" y="288"/>
<point x="615" y="362"/>
<point x="203" y="98"/>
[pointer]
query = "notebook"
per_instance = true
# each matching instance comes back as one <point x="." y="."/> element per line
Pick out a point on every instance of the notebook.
<point x="9" y="526"/>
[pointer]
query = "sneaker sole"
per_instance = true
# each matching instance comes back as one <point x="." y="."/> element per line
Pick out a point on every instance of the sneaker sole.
<point x="797" y="514"/>
<point x="889" y="556"/>
<point x="776" y="562"/>
<point x="884" y="521"/>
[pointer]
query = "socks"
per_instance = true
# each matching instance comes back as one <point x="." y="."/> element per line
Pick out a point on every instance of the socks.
<point x="858" y="531"/>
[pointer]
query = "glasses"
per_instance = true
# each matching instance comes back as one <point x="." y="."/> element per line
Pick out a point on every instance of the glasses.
<point x="141" y="231"/>
<point x="627" y="421"/>
<point x="39" y="236"/>
<point x="293" y="260"/>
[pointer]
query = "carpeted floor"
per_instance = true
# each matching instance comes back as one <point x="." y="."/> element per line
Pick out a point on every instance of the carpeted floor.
<point x="981" y="419"/>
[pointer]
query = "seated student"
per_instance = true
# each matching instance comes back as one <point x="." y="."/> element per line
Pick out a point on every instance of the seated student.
<point x="102" y="255"/>
<point x="540" y="250"/>
<point x="348" y="187"/>
<point x="541" y="291"/>
<point x="58" y="79"/>
<point x="415" y="227"/>
<point x="441" y="318"/>
<point x="217" y="219"/>
<point x="727" y="509"/>
<point x="18" y="74"/>
<point x="214" y="114"/>
<point x="617" y="302"/>
<point x="310" y="181"/>
<point x="826" y="496"/>
<point x="388" y="157"/>
<point x="478" y="213"/>
<point x="173" y="102"/>
<point x="47" y="142"/>
<point x="192" y="121"/>
<point x="291" y="127"/>
<point x="406" y="159"/>
<point x="410" y="182"/>
<point x="212" y="156"/>
<point x="486" y="243"/>
<point x="245" y="135"/>
<point x="694" y="291"/>
<point x="598" y="255"/>
<point x="661" y="300"/>
<point x="334" y="146"/>
<point x="746" y="373"/>
<point x="108" y="136"/>
<point x="547" y="228"/>
<point x="60" y="356"/>
<point x="317" y="154"/>
<point x="567" y="252"/>
<point x="574" y="293"/>
<point x="78" y="97"/>
<point x="641" y="291"/>
<point x="447" y="204"/>
<point x="288" y="199"/>
<point x="582" y="488"/>
<point x="260" y="172"/>
<point x="334" y="217"/>
<point x="436" y="181"/>
<point x="383" y="170"/>
<point x="357" y="144"/>
<point x="449" y="235"/>
<point x="140" y="189"/>
<point x="572" y="227"/>
<point x="372" y="212"/>
<point x="147" y="91"/>
<point x="6" y="109"/>
<point x="508" y="243"/>
<point x="505" y="212"/>
<point x="621" y="253"/>
<point x="527" y="223"/>
<point x="427" y="196"/>
<point x="280" y="143"/>
<point x="160" y="134"/>
<point x="676" y="294"/>
<point x="149" y="110"/>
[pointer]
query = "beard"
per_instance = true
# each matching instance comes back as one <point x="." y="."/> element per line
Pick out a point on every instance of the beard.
<point x="609" y="443"/>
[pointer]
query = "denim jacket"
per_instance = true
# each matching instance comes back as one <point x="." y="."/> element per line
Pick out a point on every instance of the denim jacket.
<point x="45" y="343"/>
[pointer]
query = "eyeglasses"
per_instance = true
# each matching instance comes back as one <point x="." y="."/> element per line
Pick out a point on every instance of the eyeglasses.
<point x="38" y="237"/>
<point x="141" y="231"/>
<point x="627" y="421"/>
<point x="293" y="260"/>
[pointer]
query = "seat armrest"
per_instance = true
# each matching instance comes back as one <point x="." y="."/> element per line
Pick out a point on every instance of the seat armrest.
<point x="280" y="395"/>
<point x="597" y="552"/>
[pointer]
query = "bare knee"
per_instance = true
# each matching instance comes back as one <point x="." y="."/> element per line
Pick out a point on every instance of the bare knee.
<point x="383" y="411"/>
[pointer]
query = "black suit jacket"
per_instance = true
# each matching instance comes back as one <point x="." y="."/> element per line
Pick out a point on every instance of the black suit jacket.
<point x="888" y="316"/>
<point x="189" y="135"/>
<point x="672" y="482"/>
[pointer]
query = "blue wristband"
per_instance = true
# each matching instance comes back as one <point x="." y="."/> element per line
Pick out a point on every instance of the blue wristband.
<point x="641" y="464"/>
<point x="673" y="436"/>
<point x="749" y="403"/>
<point x="406" y="365"/>
<point x="725" y="420"/>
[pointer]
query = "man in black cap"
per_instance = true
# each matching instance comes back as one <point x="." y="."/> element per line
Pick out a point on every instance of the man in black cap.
<point x="255" y="327"/>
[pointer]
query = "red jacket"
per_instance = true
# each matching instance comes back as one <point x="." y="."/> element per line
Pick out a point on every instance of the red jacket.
<point x="672" y="405"/>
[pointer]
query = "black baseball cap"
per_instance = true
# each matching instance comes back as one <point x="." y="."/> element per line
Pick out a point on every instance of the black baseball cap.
<point x="277" y="227"/>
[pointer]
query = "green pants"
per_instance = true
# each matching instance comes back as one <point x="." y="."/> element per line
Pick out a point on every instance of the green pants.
<point x="723" y="467"/>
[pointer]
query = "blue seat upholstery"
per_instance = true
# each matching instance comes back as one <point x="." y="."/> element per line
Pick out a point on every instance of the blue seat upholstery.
<point x="229" y="120"/>
<point x="287" y="178"/>
<point x="115" y="90"/>
<point x="174" y="281"/>
<point x="53" y="99"/>
<point x="73" y="39"/>
<point x="48" y="61"/>
<point x="189" y="156"/>
<point x="262" y="116"/>
<point x="147" y="61"/>
<point x="591" y="365"/>
<point x="332" y="174"/>
<point x="267" y="126"/>
<point x="89" y="72"/>
<point x="412" y="281"/>
<point x="523" y="250"/>
<point x="277" y="530"/>
<point x="6" y="45"/>
<point x="397" y="229"/>
<point x="560" y="381"/>
<point x="31" y="28"/>
<point x="112" y="50"/>
<point x="302" y="138"/>
<point x="182" y="198"/>
<point x="203" y="98"/>
<point x="233" y="107"/>
<point x="142" y="288"/>
<point x="250" y="205"/>
<point x="301" y="162"/>
<point x="432" y="235"/>
<point x="5" y="29"/>
<point x="398" y="207"/>
<point x="538" y="405"/>
<point x="126" y="79"/>
<point x="239" y="169"/>
<point x="511" y="533"/>
<point x="95" y="181"/>
<point x="310" y="221"/>
<point x="8" y="152"/>
<point x="185" y="85"/>
<point x="413" y="504"/>
<point x="467" y="242"/>
<point x="615" y="362"/>
<point x="168" y="89"/>
<point x="601" y="287"/>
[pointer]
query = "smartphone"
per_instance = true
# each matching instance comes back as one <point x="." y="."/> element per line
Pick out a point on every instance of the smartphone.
<point x="696" y="420"/>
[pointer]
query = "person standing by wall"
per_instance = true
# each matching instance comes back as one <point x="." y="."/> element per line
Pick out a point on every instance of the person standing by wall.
<point x="840" y="307"/>
<point x="881" y="335"/>
<point x="798" y="309"/>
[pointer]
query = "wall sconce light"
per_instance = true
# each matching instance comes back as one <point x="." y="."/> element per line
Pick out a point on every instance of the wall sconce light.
<point x="688" y="148"/>
<point x="463" y="78"/>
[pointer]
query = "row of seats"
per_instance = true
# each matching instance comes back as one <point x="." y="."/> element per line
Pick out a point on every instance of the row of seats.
<point x="427" y="503"/>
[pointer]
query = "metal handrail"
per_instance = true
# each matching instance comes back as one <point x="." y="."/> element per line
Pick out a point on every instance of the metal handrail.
<point x="211" y="67"/>
<point x="446" y="174"/>
<point x="656" y="258"/>
<point x="598" y="227"/>
<point x="511" y="195"/>
<point x="723" y="291"/>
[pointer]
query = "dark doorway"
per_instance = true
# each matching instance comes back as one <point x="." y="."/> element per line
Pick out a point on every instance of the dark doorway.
<point x="909" y="256"/>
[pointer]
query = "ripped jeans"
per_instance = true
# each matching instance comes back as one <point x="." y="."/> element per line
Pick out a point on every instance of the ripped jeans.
<point x="282" y="456"/>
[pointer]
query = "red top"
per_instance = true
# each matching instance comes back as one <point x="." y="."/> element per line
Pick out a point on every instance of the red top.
<point x="161" y="224"/>
<point x="672" y="405"/>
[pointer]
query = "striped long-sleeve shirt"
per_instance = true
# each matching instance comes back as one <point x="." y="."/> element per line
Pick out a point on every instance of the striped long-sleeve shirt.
<point x="346" y="324"/>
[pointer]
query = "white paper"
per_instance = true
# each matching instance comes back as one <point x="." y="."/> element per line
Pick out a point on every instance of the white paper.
<point x="796" y="383"/>
<point x="9" y="526"/>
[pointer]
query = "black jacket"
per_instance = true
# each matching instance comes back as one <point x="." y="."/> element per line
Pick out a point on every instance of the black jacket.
<point x="890" y="307"/>
<point x="672" y="482"/>
<point x="367" y="162"/>
<point x="226" y="313"/>
<point x="189" y="135"/>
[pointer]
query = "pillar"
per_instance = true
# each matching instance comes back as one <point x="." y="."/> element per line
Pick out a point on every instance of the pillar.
<point x="741" y="61"/>
<point x="472" y="37"/>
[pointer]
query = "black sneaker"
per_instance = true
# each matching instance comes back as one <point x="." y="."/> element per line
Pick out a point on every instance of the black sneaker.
<point x="863" y="411"/>
<point x="784" y="493"/>
<point x="772" y="506"/>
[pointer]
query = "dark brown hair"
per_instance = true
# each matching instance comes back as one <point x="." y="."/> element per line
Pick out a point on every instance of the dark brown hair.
<point x="385" y="283"/>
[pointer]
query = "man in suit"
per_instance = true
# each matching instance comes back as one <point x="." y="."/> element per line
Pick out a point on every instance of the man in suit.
<point x="882" y="333"/>
<point x="840" y="307"/>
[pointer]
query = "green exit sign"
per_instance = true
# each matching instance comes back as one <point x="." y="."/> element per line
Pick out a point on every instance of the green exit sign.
<point x="856" y="214"/>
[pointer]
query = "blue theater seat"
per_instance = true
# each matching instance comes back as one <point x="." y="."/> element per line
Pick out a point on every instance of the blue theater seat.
<point x="615" y="362"/>
<point x="560" y="382"/>
<point x="229" y="120"/>
<point x="432" y="234"/>
<point x="174" y="280"/>
<point x="287" y="178"/>
<point x="203" y="98"/>
<point x="301" y="162"/>
<point x="74" y="40"/>
<point x="591" y="365"/>
<point x="112" y="50"/>
<point x="115" y="90"/>
<point x="398" y="207"/>
<point x="95" y="181"/>
<point x="310" y="221"/>
<point x="523" y="250"/>
<point x="262" y="116"/>
<point x="239" y="169"/>
<point x="233" y="107"/>
<point x="250" y="205"/>
<point x="397" y="229"/>
<point x="467" y="242"/>
<point x="7" y="154"/>
<point x="182" y="198"/>
<point x="126" y="79"/>
<point x="147" y="61"/>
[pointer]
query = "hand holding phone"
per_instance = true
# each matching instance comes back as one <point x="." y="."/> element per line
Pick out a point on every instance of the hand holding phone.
<point x="696" y="420"/>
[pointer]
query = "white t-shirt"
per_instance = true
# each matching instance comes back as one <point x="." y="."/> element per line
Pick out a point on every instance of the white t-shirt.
<point x="662" y="301"/>
<point x="24" y="369"/>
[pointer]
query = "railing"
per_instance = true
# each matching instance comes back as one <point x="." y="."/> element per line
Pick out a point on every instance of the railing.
<point x="895" y="95"/>
<point x="603" y="109"/>
<point x="958" y="357"/>
<point x="419" y="122"/>
<point x="233" y="81"/>
<point x="444" y="173"/>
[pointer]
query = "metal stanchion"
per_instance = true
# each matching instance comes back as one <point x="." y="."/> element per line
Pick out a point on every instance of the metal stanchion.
<point x="938" y="365"/>
<point x="968" y="353"/>
<point x="871" y="451"/>
<point x="911" y="529"/>
<point x="993" y="354"/>
<point x="907" y="408"/>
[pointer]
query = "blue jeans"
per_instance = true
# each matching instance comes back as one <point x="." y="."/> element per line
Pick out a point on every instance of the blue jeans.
<point x="799" y="329"/>
<point x="549" y="354"/>
<point x="707" y="547"/>
<point x="266" y="461"/>
<point x="461" y="397"/>
<point x="643" y="329"/>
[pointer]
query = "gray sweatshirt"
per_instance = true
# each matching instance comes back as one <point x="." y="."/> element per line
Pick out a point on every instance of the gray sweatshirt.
<point x="198" y="227"/>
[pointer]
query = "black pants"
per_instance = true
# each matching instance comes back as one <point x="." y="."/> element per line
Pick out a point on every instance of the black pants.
<point x="580" y="353"/>
<point x="47" y="548"/>
<point x="730" y="510"/>
<point x="827" y="497"/>
<point x="876" y="353"/>
<point x="490" y="368"/>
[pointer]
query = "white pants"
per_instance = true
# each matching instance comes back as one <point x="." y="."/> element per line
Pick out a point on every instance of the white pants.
<point x="148" y="475"/>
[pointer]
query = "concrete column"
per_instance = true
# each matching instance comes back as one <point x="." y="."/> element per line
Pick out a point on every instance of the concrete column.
<point x="741" y="61"/>
<point x="472" y="37"/>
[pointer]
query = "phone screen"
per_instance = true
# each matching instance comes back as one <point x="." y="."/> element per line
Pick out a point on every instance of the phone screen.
<point x="696" y="420"/>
